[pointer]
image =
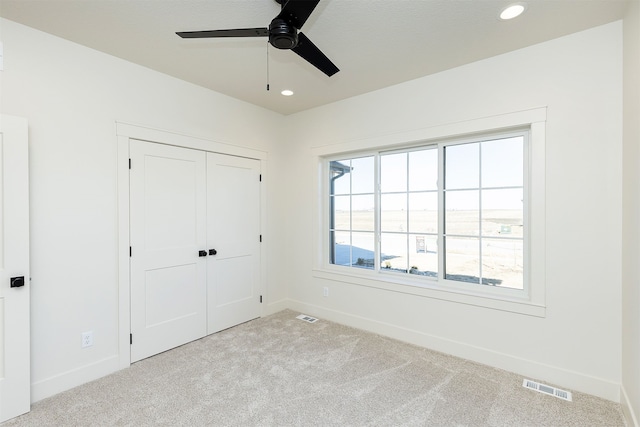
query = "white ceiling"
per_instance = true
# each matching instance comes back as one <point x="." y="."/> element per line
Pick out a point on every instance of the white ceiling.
<point x="375" y="43"/>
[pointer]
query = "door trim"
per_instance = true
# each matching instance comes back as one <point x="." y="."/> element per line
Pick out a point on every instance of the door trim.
<point x="126" y="132"/>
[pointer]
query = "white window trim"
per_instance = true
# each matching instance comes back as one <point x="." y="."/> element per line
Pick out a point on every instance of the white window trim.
<point x="531" y="301"/>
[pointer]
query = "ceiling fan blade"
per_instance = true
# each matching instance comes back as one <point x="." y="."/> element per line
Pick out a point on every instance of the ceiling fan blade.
<point x="242" y="32"/>
<point x="297" y="11"/>
<point x="308" y="51"/>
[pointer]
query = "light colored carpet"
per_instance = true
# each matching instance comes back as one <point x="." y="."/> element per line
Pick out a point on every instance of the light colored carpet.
<point x="280" y="371"/>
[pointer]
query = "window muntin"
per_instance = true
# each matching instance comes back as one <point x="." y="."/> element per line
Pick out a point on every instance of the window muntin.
<point x="470" y="229"/>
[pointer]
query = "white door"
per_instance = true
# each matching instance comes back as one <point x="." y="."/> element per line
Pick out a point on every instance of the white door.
<point x="168" y="230"/>
<point x="233" y="233"/>
<point x="14" y="269"/>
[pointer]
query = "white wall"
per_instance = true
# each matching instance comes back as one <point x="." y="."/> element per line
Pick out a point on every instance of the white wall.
<point x="579" y="79"/>
<point x="72" y="97"/>
<point x="631" y="217"/>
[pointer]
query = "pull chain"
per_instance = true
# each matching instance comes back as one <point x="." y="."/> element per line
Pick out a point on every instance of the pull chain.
<point x="267" y="66"/>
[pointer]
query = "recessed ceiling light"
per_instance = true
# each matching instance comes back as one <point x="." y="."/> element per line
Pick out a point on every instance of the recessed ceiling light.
<point x="512" y="11"/>
<point x="287" y="92"/>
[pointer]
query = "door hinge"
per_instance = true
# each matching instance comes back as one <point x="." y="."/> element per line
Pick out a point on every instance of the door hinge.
<point x="130" y="338"/>
<point x="129" y="251"/>
<point x="261" y="238"/>
<point x="260" y="299"/>
<point x="129" y="163"/>
<point x="260" y="177"/>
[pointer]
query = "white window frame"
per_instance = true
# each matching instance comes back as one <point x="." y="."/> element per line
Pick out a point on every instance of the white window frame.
<point x="530" y="300"/>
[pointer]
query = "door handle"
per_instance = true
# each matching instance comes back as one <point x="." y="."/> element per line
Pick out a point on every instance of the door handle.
<point x="17" y="282"/>
<point x="202" y="253"/>
<point x="212" y="252"/>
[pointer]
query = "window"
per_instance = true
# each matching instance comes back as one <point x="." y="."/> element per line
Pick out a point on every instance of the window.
<point x="450" y="212"/>
<point x="484" y="212"/>
<point x="409" y="211"/>
<point x="352" y="217"/>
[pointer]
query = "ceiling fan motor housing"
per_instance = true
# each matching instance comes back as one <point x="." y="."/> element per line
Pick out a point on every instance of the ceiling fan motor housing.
<point x="282" y="35"/>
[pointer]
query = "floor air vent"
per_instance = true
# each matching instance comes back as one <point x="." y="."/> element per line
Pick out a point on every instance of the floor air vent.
<point x="306" y="318"/>
<point x="546" y="389"/>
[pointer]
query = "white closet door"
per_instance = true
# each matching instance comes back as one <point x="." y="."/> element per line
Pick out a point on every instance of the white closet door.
<point x="233" y="239"/>
<point x="168" y="230"/>
<point x="15" y="387"/>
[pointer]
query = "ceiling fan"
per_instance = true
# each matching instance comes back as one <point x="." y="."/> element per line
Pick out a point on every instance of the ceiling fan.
<point x="282" y="32"/>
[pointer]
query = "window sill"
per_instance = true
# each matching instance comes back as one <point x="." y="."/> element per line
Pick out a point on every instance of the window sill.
<point x="429" y="289"/>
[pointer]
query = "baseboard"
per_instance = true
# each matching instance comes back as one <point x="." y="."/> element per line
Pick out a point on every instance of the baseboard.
<point x="73" y="378"/>
<point x="276" y="306"/>
<point x="531" y="369"/>
<point x="627" y="408"/>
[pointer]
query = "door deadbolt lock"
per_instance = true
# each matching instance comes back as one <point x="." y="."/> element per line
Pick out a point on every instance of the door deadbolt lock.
<point x="212" y="252"/>
<point x="17" y="282"/>
<point x="202" y="253"/>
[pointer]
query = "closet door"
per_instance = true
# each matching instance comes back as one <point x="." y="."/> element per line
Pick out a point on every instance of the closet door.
<point x="233" y="240"/>
<point x="168" y="239"/>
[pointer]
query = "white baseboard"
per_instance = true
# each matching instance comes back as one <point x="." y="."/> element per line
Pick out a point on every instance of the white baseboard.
<point x="627" y="408"/>
<point x="558" y="376"/>
<point x="554" y="375"/>
<point x="276" y="306"/>
<point x="73" y="378"/>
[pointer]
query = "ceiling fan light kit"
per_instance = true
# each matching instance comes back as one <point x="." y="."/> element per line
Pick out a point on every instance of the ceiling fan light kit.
<point x="283" y="34"/>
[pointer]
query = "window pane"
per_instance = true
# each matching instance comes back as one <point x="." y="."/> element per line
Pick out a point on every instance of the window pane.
<point x="363" y="250"/>
<point x="393" y="252"/>
<point x="341" y="242"/>
<point x="339" y="178"/>
<point x="423" y="170"/>
<point x="423" y="254"/>
<point x="393" y="212"/>
<point x="503" y="162"/>
<point x="341" y="213"/>
<point x="462" y="163"/>
<point x="362" y="177"/>
<point x="363" y="213"/>
<point x="502" y="263"/>
<point x="393" y="172"/>
<point x="462" y="260"/>
<point x="423" y="212"/>
<point x="462" y="216"/>
<point x="502" y="213"/>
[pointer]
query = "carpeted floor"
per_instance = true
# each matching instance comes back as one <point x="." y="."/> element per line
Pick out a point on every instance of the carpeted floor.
<point x="280" y="371"/>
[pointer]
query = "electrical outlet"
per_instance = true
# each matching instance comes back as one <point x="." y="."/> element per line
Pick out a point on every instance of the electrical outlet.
<point x="87" y="339"/>
<point x="325" y="291"/>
